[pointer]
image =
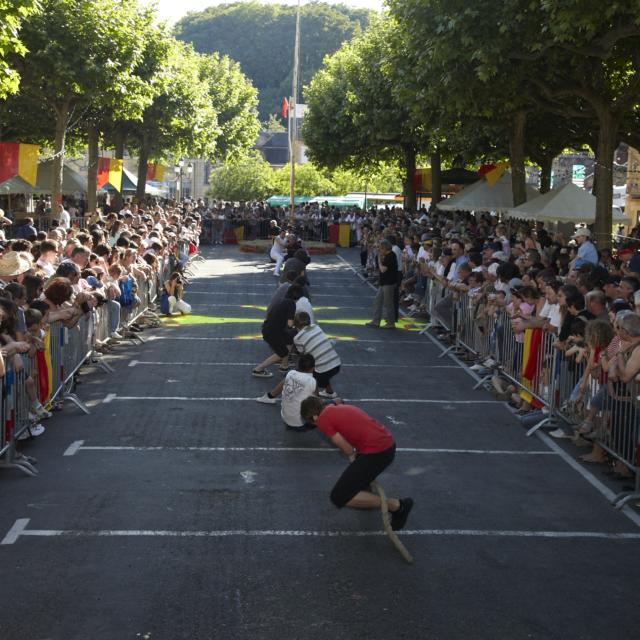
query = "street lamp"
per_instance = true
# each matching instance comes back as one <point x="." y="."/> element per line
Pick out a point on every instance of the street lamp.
<point x="178" y="170"/>
<point x="189" y="173"/>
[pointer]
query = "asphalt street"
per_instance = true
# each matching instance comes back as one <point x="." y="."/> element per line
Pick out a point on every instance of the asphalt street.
<point x="181" y="509"/>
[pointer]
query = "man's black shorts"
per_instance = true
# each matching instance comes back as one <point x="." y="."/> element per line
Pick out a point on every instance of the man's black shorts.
<point x="323" y="379"/>
<point x="278" y="342"/>
<point x="360" y="474"/>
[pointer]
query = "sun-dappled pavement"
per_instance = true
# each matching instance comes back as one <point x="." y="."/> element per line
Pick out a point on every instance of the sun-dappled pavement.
<point x="182" y="509"/>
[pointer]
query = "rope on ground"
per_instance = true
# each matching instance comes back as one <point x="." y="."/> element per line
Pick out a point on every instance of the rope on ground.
<point x="386" y="523"/>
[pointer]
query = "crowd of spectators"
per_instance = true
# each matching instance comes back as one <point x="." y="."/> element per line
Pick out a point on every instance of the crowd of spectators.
<point x="98" y="277"/>
<point x="586" y="301"/>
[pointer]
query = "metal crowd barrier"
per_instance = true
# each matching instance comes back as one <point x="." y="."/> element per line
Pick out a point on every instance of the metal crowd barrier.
<point x="544" y="377"/>
<point x="51" y="378"/>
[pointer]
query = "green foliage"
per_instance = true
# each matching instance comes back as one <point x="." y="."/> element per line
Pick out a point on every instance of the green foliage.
<point x="249" y="178"/>
<point x="382" y="177"/>
<point x="261" y="38"/>
<point x="181" y="118"/>
<point x="12" y="15"/>
<point x="235" y="101"/>
<point x="273" y="124"/>
<point x="310" y="181"/>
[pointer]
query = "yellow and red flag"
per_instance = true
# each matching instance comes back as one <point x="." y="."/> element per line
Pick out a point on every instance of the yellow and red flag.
<point x="110" y="171"/>
<point x="17" y="159"/>
<point x="496" y="173"/>
<point x="155" y="172"/>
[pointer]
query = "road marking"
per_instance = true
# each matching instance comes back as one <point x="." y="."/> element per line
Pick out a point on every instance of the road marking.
<point x="79" y="445"/>
<point x="112" y="396"/>
<point x="19" y="529"/>
<point x="135" y="363"/>
<point x="345" y="339"/>
<point x="248" y="476"/>
<point x="588" y="476"/>
<point x="266" y="294"/>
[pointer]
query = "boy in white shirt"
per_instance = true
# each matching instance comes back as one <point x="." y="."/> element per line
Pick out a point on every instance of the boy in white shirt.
<point x="296" y="387"/>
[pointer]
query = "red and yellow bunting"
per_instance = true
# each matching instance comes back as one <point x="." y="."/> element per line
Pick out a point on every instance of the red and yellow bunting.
<point x="17" y="159"/>
<point x="110" y="172"/>
<point x="155" y="172"/>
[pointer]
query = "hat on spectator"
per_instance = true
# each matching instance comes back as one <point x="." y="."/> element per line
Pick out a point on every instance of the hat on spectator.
<point x="515" y="282"/>
<point x="625" y="253"/>
<point x="94" y="283"/>
<point x="14" y="263"/>
<point x="620" y="305"/>
<point x="583" y="232"/>
<point x="496" y="246"/>
<point x="612" y="280"/>
<point x="500" y="255"/>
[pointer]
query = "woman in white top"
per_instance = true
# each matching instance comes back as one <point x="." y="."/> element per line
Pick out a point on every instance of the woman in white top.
<point x="279" y="251"/>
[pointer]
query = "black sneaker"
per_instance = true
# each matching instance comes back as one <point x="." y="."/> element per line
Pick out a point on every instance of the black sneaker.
<point x="399" y="517"/>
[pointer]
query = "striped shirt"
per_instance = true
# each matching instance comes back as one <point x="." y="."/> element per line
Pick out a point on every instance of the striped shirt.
<point x="313" y="340"/>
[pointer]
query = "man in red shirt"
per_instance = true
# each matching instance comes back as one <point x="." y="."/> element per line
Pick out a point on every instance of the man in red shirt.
<point x="370" y="448"/>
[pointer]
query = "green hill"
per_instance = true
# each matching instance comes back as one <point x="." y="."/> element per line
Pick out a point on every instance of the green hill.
<point x="261" y="38"/>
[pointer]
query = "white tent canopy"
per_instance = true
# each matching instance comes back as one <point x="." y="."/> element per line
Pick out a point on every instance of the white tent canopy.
<point x="568" y="203"/>
<point x="481" y="196"/>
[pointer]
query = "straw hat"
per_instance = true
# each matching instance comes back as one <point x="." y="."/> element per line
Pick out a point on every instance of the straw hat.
<point x="13" y="263"/>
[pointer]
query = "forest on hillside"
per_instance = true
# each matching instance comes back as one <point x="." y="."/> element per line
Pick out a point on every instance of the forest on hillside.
<point x="261" y="38"/>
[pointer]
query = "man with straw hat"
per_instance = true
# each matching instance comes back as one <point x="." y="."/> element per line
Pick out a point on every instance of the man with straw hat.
<point x="14" y="265"/>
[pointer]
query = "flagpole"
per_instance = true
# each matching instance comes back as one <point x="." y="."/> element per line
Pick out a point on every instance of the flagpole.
<point x="293" y="123"/>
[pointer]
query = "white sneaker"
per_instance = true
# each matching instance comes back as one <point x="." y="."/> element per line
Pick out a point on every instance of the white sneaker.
<point x="116" y="336"/>
<point x="560" y="434"/>
<point x="265" y="399"/>
<point x="31" y="432"/>
<point x="324" y="394"/>
<point x="39" y="414"/>
<point x="489" y="362"/>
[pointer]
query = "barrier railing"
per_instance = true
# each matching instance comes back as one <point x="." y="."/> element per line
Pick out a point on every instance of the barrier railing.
<point x="50" y="375"/>
<point x="543" y="376"/>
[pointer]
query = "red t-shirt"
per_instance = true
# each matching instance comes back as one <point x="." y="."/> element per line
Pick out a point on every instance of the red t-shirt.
<point x="360" y="430"/>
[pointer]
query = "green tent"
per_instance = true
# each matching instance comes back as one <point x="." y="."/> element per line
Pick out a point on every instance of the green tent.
<point x="283" y="201"/>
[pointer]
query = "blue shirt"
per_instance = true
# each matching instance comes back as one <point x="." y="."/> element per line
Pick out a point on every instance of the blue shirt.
<point x="587" y="253"/>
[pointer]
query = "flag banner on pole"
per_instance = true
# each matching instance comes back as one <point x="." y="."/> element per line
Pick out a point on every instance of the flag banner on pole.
<point x="17" y="159"/>
<point x="110" y="172"/>
<point x="115" y="173"/>
<point x="422" y="180"/>
<point x="494" y="175"/>
<point x="155" y="172"/>
<point x="285" y="107"/>
<point x="103" y="172"/>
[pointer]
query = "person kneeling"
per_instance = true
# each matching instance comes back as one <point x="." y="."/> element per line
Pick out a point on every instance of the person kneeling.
<point x="295" y="387"/>
<point x="369" y="446"/>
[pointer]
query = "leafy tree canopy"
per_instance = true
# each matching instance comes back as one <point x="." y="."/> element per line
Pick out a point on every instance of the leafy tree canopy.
<point x="12" y="14"/>
<point x="261" y="38"/>
<point x="249" y="178"/>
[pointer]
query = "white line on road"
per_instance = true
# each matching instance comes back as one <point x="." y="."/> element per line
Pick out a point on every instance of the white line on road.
<point x="19" y="529"/>
<point x="345" y="339"/>
<point x="112" y="396"/>
<point x="409" y="365"/>
<point x="79" y="445"/>
<point x="266" y="294"/>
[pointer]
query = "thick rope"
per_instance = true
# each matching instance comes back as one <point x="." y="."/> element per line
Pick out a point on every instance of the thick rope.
<point x="386" y="523"/>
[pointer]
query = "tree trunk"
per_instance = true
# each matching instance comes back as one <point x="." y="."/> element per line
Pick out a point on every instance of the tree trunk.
<point x="516" y="158"/>
<point x="93" y="140"/>
<point x="62" y="120"/>
<point x="436" y="177"/>
<point x="410" y="171"/>
<point x="607" y="136"/>
<point x="546" y="163"/>
<point x="142" y="171"/>
<point x="118" y="143"/>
